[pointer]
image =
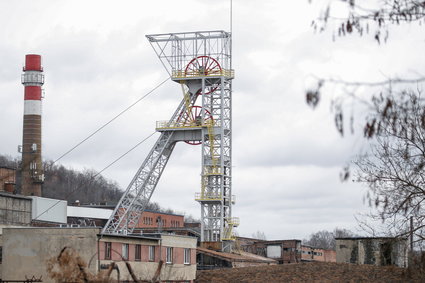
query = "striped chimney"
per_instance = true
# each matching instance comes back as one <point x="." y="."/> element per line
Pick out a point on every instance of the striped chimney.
<point x="32" y="167"/>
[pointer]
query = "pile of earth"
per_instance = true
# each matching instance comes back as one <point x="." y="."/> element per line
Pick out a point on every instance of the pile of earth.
<point x="311" y="272"/>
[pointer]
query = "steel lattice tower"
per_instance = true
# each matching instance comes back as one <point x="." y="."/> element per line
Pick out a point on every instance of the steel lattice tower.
<point x="201" y="63"/>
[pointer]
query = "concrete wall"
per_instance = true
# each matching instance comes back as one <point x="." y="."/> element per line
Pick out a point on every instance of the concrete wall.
<point x="26" y="250"/>
<point x="375" y="251"/>
<point x="15" y="210"/>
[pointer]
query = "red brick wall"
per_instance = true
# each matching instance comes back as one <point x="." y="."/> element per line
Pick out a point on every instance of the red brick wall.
<point x="330" y="256"/>
<point x="178" y="253"/>
<point x="149" y="220"/>
<point x="318" y="254"/>
<point x="6" y="176"/>
<point x="117" y="250"/>
<point x="192" y="256"/>
<point x="145" y="253"/>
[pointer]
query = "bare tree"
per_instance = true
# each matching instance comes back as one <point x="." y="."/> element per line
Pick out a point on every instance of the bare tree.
<point x="364" y="17"/>
<point x="326" y="239"/>
<point x="394" y="168"/>
<point x="259" y="235"/>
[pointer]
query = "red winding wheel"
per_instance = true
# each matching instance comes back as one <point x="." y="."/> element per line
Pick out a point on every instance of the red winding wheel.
<point x="204" y="66"/>
<point x="194" y="118"/>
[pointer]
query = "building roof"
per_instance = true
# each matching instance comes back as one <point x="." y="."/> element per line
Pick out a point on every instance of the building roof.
<point x="8" y="167"/>
<point x="155" y="237"/>
<point x="274" y="242"/>
<point x="112" y="207"/>
<point x="4" y="194"/>
<point x="233" y="257"/>
<point x="372" y="238"/>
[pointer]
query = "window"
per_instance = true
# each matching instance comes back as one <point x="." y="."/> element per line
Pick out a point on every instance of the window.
<point x="169" y="255"/>
<point x="186" y="256"/>
<point x="124" y="253"/>
<point x="107" y="250"/>
<point x="138" y="253"/>
<point x="151" y="253"/>
<point x="1" y="254"/>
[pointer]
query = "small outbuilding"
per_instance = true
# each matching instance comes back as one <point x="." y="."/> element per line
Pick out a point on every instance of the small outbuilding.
<point x="373" y="250"/>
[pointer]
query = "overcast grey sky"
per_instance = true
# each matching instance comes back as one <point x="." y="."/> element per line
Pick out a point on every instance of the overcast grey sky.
<point x="286" y="157"/>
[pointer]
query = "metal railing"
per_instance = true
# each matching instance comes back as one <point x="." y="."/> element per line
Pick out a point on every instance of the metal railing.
<point x="234" y="221"/>
<point x="180" y="124"/>
<point x="199" y="196"/>
<point x="179" y="74"/>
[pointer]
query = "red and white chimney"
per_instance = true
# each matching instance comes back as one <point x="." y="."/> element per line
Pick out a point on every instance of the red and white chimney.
<point x="32" y="166"/>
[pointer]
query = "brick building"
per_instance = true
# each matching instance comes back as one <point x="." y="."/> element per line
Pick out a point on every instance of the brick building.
<point x="167" y="258"/>
<point x="157" y="220"/>
<point x="7" y="179"/>
<point x="309" y="253"/>
<point x="283" y="251"/>
<point x="149" y="222"/>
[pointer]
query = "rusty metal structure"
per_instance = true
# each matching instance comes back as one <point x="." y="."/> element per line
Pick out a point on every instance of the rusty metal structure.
<point x="32" y="166"/>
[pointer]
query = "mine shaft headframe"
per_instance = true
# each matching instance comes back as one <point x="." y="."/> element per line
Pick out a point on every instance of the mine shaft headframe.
<point x="177" y="50"/>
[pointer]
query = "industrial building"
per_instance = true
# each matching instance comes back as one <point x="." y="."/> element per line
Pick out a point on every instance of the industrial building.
<point x="309" y="253"/>
<point x="373" y="250"/>
<point x="285" y="251"/>
<point x="137" y="243"/>
<point x="168" y="258"/>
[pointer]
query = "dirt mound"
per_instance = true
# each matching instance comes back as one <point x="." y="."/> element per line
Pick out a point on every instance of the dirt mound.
<point x="308" y="272"/>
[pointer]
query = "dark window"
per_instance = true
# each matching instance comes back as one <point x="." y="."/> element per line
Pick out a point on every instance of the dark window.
<point x="107" y="250"/>
<point x="138" y="253"/>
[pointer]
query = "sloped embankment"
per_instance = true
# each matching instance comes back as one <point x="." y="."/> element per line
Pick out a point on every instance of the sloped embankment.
<point x="308" y="272"/>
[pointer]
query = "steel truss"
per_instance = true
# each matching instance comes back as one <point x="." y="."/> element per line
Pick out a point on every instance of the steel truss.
<point x="201" y="63"/>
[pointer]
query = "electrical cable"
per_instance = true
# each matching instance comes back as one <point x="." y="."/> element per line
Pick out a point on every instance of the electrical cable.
<point x="98" y="173"/>
<point x="95" y="132"/>
<point x="110" y="121"/>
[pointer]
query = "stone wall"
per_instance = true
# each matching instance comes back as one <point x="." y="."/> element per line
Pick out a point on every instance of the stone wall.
<point x="26" y="250"/>
<point x="15" y="210"/>
<point x="374" y="251"/>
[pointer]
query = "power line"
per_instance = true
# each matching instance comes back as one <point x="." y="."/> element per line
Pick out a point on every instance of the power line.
<point x="98" y="173"/>
<point x="95" y="132"/>
<point x="110" y="121"/>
